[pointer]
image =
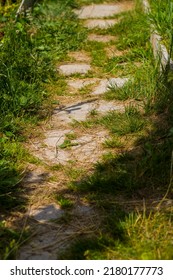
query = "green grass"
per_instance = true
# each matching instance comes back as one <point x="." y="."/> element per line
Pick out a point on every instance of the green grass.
<point x="30" y="50"/>
<point x="9" y="242"/>
<point x="65" y="203"/>
<point x="142" y="238"/>
<point x="136" y="169"/>
<point x="124" y="123"/>
<point x="113" y="142"/>
<point x="161" y="16"/>
<point x="141" y="86"/>
<point x="141" y="169"/>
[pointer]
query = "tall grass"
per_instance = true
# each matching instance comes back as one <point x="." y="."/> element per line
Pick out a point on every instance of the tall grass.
<point x="30" y="48"/>
<point x="132" y="185"/>
<point x="162" y="18"/>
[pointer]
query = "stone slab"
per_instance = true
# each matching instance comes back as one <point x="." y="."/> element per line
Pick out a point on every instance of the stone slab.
<point x="106" y="84"/>
<point x="54" y="137"/>
<point x="79" y="111"/>
<point x="103" y="10"/>
<point x="74" y="68"/>
<point x="100" y="85"/>
<point x="80" y="83"/>
<point x="100" y="23"/>
<point x="47" y="213"/>
<point x="86" y="148"/>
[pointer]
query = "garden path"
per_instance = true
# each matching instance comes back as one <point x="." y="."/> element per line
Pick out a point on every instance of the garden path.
<point x="71" y="146"/>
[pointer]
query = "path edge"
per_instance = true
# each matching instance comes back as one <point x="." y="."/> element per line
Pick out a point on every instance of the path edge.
<point x="160" y="51"/>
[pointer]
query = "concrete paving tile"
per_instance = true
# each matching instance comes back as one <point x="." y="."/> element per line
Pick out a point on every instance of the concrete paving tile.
<point x="47" y="213"/>
<point x="102" y="10"/>
<point x="75" y="68"/>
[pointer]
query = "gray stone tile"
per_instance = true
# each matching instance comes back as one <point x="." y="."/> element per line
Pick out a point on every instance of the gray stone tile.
<point x="74" y="68"/>
<point x="106" y="84"/>
<point x="47" y="213"/>
<point x="101" y="10"/>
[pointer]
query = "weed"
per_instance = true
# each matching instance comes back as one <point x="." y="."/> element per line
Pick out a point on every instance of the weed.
<point x="71" y="136"/>
<point x="113" y="142"/>
<point x="30" y="48"/>
<point x="86" y="89"/>
<point x="93" y="113"/>
<point x="65" y="203"/>
<point x="74" y="173"/>
<point x="124" y="123"/>
<point x="161" y="16"/>
<point x="146" y="237"/>
<point x="10" y="241"/>
<point x="56" y="167"/>
<point x="67" y="144"/>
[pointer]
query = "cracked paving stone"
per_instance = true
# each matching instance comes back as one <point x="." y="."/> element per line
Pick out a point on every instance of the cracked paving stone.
<point x="79" y="111"/>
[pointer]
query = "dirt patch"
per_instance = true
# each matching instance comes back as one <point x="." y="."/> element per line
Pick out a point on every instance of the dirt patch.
<point x="49" y="240"/>
<point x="101" y="38"/>
<point x="80" y="56"/>
<point x="112" y="51"/>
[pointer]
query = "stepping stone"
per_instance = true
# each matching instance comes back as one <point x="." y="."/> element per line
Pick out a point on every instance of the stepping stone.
<point x="101" y="38"/>
<point x="101" y="85"/>
<point x="105" y="85"/>
<point x="100" y="23"/>
<point x="70" y="69"/>
<point x="80" y="83"/>
<point x="56" y="137"/>
<point x="79" y="111"/>
<point x="47" y="213"/>
<point x="88" y="149"/>
<point x="103" y="10"/>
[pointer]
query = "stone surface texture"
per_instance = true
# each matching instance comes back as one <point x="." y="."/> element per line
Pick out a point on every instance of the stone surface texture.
<point x="47" y="213"/>
<point x="80" y="83"/>
<point x="80" y="111"/>
<point x="75" y="68"/>
<point x="103" y="10"/>
<point x="106" y="84"/>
